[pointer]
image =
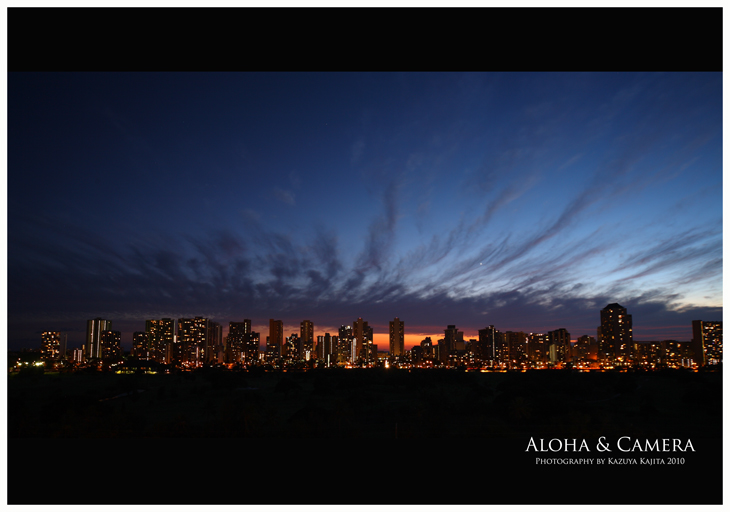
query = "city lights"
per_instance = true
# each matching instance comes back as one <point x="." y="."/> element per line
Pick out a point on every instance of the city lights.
<point x="189" y="344"/>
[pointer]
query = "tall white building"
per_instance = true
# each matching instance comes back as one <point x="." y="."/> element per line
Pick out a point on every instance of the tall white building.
<point x="94" y="329"/>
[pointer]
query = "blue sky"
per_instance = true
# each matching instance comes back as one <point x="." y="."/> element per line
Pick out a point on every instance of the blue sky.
<point x="527" y="201"/>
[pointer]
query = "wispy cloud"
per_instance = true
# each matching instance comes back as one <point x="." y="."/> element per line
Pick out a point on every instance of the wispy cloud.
<point x="285" y="196"/>
<point x="356" y="151"/>
<point x="522" y="216"/>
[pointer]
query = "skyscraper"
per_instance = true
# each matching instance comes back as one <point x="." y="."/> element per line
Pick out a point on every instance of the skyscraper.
<point x="346" y="345"/>
<point x="486" y="347"/>
<point x="363" y="335"/>
<point x="275" y="342"/>
<point x="559" y="346"/>
<point x="615" y="335"/>
<point x="291" y="347"/>
<point x="397" y="338"/>
<point x="161" y="338"/>
<point x="251" y="348"/>
<point x="306" y="336"/>
<point x="238" y="338"/>
<point x="427" y="349"/>
<point x="327" y="348"/>
<point x="707" y="342"/>
<point x="94" y="329"/>
<point x="141" y="345"/>
<point x="193" y="337"/>
<point x="50" y="345"/>
<point x="111" y="345"/>
<point x="516" y="348"/>
<point x="213" y="349"/>
<point x="453" y="342"/>
<point x="537" y="349"/>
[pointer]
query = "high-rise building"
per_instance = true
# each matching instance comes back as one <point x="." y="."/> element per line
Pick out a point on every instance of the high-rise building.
<point x="427" y="349"/>
<point x="238" y="338"/>
<point x="335" y="343"/>
<point x="501" y="349"/>
<point x="585" y="349"/>
<point x="415" y="354"/>
<point x="64" y="346"/>
<point x="94" y="329"/>
<point x="558" y="346"/>
<point x="615" y="335"/>
<point x="111" y="345"/>
<point x="213" y="349"/>
<point x="358" y="328"/>
<point x="292" y="347"/>
<point x="274" y="345"/>
<point x="453" y="342"/>
<point x="677" y="354"/>
<point x="397" y="338"/>
<point x="51" y="346"/>
<point x="299" y="349"/>
<point x="161" y="339"/>
<point x="306" y="336"/>
<point x="346" y="343"/>
<point x="193" y="337"/>
<point x="707" y="342"/>
<point x="363" y="335"/>
<point x="516" y="348"/>
<point x="538" y="350"/>
<point x="485" y="347"/>
<point x="647" y="354"/>
<point x="251" y="348"/>
<point x="454" y="338"/>
<point x="141" y="345"/>
<point x="78" y="355"/>
<point x="327" y="349"/>
<point x="320" y="347"/>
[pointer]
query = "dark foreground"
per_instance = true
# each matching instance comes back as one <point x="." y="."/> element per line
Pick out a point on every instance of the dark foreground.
<point x="362" y="437"/>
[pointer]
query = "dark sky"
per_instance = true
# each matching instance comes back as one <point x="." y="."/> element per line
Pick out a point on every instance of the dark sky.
<point x="528" y="201"/>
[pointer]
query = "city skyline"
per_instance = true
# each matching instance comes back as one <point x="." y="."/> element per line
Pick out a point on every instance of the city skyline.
<point x="200" y="343"/>
<point x="526" y="201"/>
<point x="309" y="331"/>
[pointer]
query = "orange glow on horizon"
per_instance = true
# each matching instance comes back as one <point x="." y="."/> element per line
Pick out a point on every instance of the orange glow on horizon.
<point x="382" y="340"/>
